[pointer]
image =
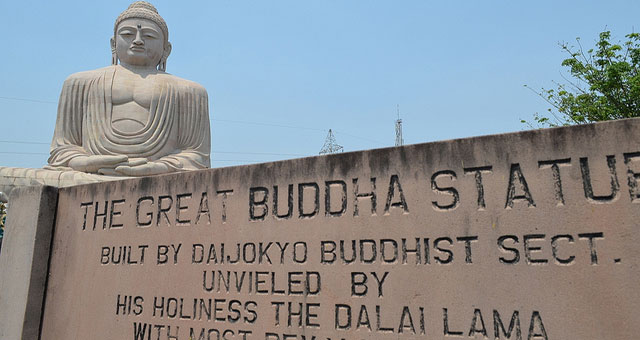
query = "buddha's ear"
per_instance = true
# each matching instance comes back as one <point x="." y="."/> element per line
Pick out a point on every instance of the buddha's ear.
<point x="114" y="56"/>
<point x="162" y="65"/>
<point x="167" y="50"/>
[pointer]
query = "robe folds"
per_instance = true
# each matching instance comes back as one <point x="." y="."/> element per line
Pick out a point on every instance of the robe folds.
<point x="176" y="134"/>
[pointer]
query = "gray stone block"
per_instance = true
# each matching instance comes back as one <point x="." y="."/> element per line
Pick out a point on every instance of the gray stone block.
<point x="24" y="261"/>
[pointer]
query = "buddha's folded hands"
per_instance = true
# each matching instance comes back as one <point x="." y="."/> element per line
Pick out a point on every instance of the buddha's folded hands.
<point x="150" y="168"/>
<point x="93" y="163"/>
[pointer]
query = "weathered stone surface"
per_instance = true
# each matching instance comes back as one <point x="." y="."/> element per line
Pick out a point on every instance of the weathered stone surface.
<point x="532" y="234"/>
<point x="12" y="178"/>
<point x="24" y="261"/>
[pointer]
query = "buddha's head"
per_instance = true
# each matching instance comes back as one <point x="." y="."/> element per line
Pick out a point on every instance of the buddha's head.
<point x="140" y="37"/>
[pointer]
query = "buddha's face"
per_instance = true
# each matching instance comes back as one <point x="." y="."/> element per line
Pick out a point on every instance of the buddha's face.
<point x="139" y="42"/>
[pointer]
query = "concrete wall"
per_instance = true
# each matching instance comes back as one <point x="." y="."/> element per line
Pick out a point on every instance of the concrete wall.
<point x="24" y="261"/>
<point x="537" y="229"/>
<point x="528" y="235"/>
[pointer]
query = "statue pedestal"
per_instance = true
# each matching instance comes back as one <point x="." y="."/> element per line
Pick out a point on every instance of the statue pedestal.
<point x="25" y="260"/>
<point x="11" y="178"/>
<point x="33" y="196"/>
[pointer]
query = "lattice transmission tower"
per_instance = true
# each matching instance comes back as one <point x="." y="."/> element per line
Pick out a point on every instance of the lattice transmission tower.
<point x="399" y="139"/>
<point x="330" y="145"/>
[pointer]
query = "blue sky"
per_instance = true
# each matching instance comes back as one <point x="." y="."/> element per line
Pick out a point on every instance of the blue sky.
<point x="281" y="73"/>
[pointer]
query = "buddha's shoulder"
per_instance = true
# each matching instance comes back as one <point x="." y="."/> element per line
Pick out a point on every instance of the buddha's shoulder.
<point x="89" y="75"/>
<point x="181" y="83"/>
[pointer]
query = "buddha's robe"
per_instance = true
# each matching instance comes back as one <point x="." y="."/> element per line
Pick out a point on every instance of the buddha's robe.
<point x="176" y="134"/>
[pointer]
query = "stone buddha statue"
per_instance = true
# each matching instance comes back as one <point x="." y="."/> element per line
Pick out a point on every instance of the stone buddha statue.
<point x="128" y="119"/>
<point x="132" y="118"/>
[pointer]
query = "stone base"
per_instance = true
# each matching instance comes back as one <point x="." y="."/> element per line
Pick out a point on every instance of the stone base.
<point x="11" y="178"/>
<point x="24" y="261"/>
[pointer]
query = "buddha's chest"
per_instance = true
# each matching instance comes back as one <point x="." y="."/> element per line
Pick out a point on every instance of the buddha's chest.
<point x="131" y="98"/>
<point x="132" y="88"/>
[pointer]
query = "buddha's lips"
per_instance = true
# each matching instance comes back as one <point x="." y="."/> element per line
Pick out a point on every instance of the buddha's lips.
<point x="137" y="48"/>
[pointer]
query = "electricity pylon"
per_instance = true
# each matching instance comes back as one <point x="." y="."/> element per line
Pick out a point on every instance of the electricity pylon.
<point x="399" y="140"/>
<point x="330" y="145"/>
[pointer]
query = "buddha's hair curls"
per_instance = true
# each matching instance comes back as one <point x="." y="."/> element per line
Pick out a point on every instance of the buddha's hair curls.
<point x="143" y="10"/>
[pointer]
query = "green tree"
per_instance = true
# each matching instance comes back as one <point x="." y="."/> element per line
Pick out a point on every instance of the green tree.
<point x="604" y="84"/>
<point x="3" y="218"/>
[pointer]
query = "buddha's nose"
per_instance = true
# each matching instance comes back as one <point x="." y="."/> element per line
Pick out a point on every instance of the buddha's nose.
<point x="138" y="40"/>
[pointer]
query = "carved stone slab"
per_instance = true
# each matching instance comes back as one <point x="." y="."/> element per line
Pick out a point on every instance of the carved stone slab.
<point x="24" y="260"/>
<point x="531" y="235"/>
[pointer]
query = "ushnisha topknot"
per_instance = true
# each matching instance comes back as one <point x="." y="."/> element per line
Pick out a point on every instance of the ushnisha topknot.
<point x="143" y="10"/>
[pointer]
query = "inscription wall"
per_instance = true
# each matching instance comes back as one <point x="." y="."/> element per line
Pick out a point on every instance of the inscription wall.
<point x="532" y="235"/>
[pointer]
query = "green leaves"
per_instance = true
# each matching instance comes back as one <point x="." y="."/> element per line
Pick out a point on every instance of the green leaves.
<point x="605" y="84"/>
<point x="3" y="218"/>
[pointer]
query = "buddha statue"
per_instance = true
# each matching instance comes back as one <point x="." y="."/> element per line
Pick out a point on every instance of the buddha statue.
<point x="128" y="119"/>
<point x="132" y="118"/>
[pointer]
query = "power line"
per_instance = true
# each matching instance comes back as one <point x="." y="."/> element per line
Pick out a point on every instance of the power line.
<point x="227" y="121"/>
<point x="29" y="100"/>
<point x="266" y="124"/>
<point x="292" y="127"/>
<point x="22" y="142"/>
<point x="261" y="153"/>
<point x="23" y="153"/>
<point x="213" y="160"/>
<point x="46" y="154"/>
<point x="213" y="152"/>
<point x="232" y="121"/>
<point x="235" y="160"/>
<point x="358" y="137"/>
